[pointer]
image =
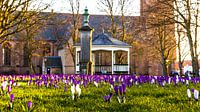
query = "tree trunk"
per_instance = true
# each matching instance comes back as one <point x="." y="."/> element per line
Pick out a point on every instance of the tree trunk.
<point x="180" y="61"/>
<point x="195" y="64"/>
<point x="164" y="67"/>
<point x="31" y="66"/>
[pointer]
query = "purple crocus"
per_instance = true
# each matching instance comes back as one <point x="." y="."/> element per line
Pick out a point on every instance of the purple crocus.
<point x="107" y="98"/>
<point x="11" y="97"/>
<point x="85" y="84"/>
<point x="124" y="88"/>
<point x="65" y="88"/>
<point x="116" y="89"/>
<point x="121" y="90"/>
<point x="192" y="90"/>
<point x="30" y="104"/>
<point x="9" y="89"/>
<point x="55" y="85"/>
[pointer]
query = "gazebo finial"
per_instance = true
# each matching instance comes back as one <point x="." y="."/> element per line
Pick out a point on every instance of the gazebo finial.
<point x="86" y="17"/>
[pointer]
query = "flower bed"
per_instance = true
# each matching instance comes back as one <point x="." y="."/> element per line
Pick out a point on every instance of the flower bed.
<point x="98" y="93"/>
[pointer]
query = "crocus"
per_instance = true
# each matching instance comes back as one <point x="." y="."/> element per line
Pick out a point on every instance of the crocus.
<point x="196" y="95"/>
<point x="187" y="82"/>
<point x="116" y="90"/>
<point x="9" y="89"/>
<point x="120" y="90"/>
<point x="189" y="93"/>
<point x="192" y="90"/>
<point x="107" y="98"/>
<point x="11" y="97"/>
<point x="30" y="104"/>
<point x="65" y="88"/>
<point x="169" y="80"/>
<point x="76" y="91"/>
<point x="95" y="83"/>
<point x="3" y="85"/>
<point x="136" y="82"/>
<point x="152" y="81"/>
<point x="124" y="88"/>
<point x="73" y="91"/>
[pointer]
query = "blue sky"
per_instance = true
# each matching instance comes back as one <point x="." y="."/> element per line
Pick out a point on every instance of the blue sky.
<point x="63" y="6"/>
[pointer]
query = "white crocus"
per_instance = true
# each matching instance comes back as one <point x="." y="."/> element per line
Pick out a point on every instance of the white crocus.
<point x="131" y="80"/>
<point x="114" y="79"/>
<point x="177" y="79"/>
<point x="28" y="83"/>
<point x="136" y="83"/>
<point x="187" y="82"/>
<point x="14" y="84"/>
<point x="95" y="83"/>
<point x="73" y="91"/>
<point x="196" y="94"/>
<point x="11" y="83"/>
<point x="78" y="90"/>
<point x="152" y="81"/>
<point x="169" y="80"/>
<point x="4" y="85"/>
<point x="164" y="82"/>
<point x="82" y="82"/>
<point x="188" y="93"/>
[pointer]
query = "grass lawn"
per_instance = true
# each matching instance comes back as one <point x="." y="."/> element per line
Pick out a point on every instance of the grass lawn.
<point x="142" y="97"/>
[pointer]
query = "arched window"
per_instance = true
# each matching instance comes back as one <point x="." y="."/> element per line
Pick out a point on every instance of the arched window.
<point x="26" y="55"/>
<point x="7" y="54"/>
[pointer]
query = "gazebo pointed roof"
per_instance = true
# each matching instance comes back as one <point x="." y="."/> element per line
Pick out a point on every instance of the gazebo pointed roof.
<point x="104" y="39"/>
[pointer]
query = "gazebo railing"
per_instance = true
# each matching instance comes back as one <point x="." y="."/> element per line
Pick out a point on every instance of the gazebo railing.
<point x="103" y="69"/>
<point x="120" y="68"/>
<point x="117" y="68"/>
<point x="77" y="68"/>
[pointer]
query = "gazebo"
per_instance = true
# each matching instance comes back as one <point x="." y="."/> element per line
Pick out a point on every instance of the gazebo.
<point x="104" y="50"/>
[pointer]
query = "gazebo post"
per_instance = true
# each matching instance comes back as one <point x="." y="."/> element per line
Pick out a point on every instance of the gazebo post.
<point x="128" y="61"/>
<point x="76" y="60"/>
<point x="112" y="61"/>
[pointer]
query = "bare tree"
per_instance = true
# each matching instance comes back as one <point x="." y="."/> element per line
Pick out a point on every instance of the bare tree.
<point x="124" y="6"/>
<point x="122" y="32"/>
<point x="75" y="22"/>
<point x="109" y="7"/>
<point x="13" y="13"/>
<point x="33" y="25"/>
<point x="187" y="12"/>
<point x="182" y="50"/>
<point x="160" y="34"/>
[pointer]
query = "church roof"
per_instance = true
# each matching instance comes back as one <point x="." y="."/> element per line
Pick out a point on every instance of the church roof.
<point x="104" y="39"/>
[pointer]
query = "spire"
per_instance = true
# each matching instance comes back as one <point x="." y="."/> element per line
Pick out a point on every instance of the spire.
<point x="86" y="17"/>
